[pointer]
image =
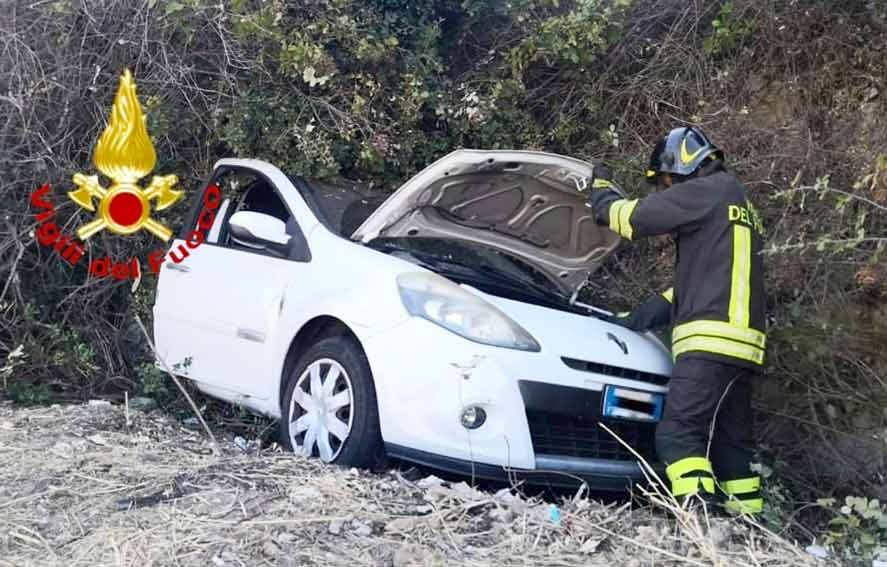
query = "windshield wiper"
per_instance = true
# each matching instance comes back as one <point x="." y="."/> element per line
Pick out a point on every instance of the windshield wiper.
<point x="490" y="273"/>
<point x="495" y="276"/>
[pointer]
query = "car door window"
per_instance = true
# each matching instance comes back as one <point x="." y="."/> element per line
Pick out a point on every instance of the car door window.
<point x="247" y="190"/>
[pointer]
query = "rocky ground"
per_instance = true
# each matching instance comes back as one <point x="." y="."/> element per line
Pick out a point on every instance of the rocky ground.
<point x="102" y="485"/>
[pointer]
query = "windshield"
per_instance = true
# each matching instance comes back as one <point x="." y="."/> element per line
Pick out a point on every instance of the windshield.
<point x="460" y="256"/>
<point x="341" y="206"/>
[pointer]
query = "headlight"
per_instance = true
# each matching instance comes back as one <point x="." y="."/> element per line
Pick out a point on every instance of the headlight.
<point x="446" y="304"/>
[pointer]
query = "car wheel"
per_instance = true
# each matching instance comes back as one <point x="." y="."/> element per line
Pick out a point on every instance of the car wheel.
<point x="329" y="408"/>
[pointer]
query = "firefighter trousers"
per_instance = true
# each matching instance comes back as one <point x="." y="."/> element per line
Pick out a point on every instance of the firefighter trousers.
<point x="705" y="436"/>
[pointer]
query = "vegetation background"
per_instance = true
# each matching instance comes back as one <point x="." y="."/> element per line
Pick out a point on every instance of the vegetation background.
<point x="374" y="90"/>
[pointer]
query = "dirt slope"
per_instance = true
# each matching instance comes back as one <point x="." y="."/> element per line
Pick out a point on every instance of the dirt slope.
<point x="96" y="485"/>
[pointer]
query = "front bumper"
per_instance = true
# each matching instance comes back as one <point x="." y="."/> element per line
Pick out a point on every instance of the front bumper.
<point x="551" y="470"/>
<point x="542" y="415"/>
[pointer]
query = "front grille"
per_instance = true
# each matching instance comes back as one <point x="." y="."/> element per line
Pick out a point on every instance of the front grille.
<point x="616" y="371"/>
<point x="575" y="436"/>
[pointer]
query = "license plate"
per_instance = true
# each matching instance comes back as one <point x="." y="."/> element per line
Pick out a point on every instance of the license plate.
<point x="636" y="405"/>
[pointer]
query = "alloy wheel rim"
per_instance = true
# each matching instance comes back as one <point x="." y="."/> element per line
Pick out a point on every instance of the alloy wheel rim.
<point x="321" y="410"/>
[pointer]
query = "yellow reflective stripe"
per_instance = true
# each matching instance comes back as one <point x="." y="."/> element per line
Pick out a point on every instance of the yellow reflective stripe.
<point x="752" y="506"/>
<point x="720" y="329"/>
<point x="689" y="464"/>
<point x="651" y="173"/>
<point x="742" y="485"/>
<point x="601" y="184"/>
<point x="668" y="294"/>
<point x="685" y="486"/>
<point x="741" y="287"/>
<point x="615" y="207"/>
<point x="719" y="346"/>
<point x="625" y="218"/>
<point x="708" y="484"/>
<point x="620" y="215"/>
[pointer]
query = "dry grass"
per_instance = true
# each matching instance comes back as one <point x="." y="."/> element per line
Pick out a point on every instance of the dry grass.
<point x="96" y="485"/>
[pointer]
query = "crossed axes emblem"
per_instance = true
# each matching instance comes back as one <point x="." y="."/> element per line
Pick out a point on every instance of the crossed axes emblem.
<point x="125" y="154"/>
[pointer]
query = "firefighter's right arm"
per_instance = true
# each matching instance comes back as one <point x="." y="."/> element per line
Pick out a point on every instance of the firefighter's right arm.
<point x="679" y="208"/>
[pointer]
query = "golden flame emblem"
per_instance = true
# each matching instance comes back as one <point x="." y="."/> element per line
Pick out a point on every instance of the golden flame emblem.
<point x="125" y="154"/>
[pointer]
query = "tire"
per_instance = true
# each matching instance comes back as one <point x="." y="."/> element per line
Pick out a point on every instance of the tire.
<point x="349" y="423"/>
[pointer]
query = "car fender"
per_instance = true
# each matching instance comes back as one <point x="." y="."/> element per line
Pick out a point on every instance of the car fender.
<point x="355" y="274"/>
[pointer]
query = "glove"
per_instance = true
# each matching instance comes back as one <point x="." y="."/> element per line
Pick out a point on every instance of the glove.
<point x="655" y="312"/>
<point x="602" y="177"/>
<point x="602" y="187"/>
<point x="621" y="319"/>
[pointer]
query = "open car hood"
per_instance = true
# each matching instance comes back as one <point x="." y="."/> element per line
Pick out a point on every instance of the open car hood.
<point x="532" y="205"/>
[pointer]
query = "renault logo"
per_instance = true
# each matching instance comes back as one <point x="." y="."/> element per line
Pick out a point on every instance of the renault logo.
<point x="620" y="343"/>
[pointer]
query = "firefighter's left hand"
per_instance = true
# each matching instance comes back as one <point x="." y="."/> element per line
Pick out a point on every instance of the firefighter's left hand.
<point x="602" y="177"/>
<point x="629" y="320"/>
<point x="602" y="187"/>
<point x="655" y="312"/>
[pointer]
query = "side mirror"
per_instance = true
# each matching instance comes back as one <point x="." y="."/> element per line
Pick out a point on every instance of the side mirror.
<point x="258" y="230"/>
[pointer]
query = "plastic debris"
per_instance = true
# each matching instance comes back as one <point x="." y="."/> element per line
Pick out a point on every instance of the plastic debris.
<point x="429" y="481"/>
<point x="817" y="551"/>
<point x="99" y="403"/>
<point x="191" y="422"/>
<point x="241" y="443"/>
<point x="555" y="514"/>
<point x="142" y="403"/>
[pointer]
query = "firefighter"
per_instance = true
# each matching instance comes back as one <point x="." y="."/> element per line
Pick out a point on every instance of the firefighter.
<point x="716" y="306"/>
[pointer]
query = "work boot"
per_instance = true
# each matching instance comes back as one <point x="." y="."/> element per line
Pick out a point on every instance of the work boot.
<point x="703" y="503"/>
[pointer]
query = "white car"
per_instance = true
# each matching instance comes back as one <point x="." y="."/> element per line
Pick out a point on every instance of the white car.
<point x="443" y="330"/>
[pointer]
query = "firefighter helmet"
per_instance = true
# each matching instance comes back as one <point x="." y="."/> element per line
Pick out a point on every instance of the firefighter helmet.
<point x="681" y="152"/>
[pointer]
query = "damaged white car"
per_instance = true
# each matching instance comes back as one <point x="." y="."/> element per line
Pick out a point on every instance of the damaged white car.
<point x="440" y="329"/>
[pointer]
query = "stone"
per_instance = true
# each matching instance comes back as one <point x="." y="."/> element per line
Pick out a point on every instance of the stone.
<point x="720" y="532"/>
<point x="405" y="525"/>
<point x="303" y="493"/>
<point x="361" y="529"/>
<point x="412" y="555"/>
<point x="270" y="549"/>
<point x="98" y="440"/>
<point x="590" y="545"/>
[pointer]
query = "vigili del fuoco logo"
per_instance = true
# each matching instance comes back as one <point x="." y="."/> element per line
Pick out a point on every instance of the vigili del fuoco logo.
<point x="125" y="155"/>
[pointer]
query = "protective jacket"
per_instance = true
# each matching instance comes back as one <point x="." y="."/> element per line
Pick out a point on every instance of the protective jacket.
<point x="717" y="302"/>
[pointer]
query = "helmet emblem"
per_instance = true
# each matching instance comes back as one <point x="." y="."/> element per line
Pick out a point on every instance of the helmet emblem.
<point x="686" y="156"/>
